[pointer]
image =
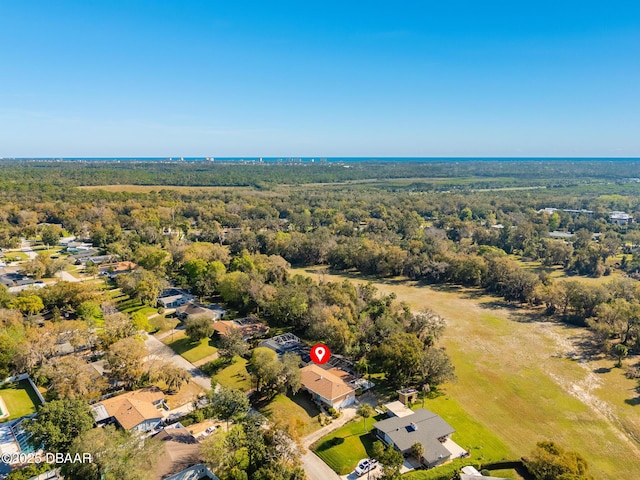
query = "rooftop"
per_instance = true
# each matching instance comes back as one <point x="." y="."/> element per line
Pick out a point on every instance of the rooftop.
<point x="323" y="382"/>
<point x="132" y="408"/>
<point x="422" y="426"/>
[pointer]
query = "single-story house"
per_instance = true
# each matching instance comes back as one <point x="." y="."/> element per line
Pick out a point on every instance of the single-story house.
<point x="173" y="298"/>
<point x="249" y="327"/>
<point x="620" y="218"/>
<point x="423" y="427"/>
<point x="13" y="279"/>
<point x="112" y="270"/>
<point x="133" y="411"/>
<point x="326" y="387"/>
<point x="192" y="309"/>
<point x="181" y="453"/>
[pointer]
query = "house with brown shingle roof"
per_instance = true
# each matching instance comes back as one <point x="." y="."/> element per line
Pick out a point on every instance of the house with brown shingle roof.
<point x="249" y="327"/>
<point x="326" y="387"/>
<point x="133" y="411"/>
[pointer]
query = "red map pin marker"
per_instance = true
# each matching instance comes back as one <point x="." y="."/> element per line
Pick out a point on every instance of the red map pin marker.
<point x="320" y="353"/>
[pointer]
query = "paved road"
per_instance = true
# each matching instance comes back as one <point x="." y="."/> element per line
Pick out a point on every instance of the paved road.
<point x="158" y="350"/>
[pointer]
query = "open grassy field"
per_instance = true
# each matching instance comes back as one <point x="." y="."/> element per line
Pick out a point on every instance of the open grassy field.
<point x="297" y="411"/>
<point x="19" y="398"/>
<point x="191" y="351"/>
<point x="527" y="379"/>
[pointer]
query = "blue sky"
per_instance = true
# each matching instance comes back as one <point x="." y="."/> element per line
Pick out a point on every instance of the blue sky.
<point x="310" y="78"/>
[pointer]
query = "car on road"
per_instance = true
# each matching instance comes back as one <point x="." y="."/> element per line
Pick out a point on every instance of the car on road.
<point x="366" y="465"/>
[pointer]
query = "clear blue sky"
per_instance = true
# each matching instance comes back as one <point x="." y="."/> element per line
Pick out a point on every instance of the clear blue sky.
<point x="319" y="78"/>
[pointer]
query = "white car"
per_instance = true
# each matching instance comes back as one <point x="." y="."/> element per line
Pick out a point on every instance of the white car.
<point x="366" y="465"/>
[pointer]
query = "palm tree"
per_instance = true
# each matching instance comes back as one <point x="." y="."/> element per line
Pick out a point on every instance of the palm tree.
<point x="365" y="411"/>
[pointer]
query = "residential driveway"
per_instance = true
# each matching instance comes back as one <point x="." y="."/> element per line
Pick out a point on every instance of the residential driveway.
<point x="158" y="350"/>
<point x="66" y="277"/>
<point x="316" y="469"/>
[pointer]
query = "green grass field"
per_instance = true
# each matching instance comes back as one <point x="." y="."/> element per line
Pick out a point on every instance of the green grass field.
<point x="191" y="351"/>
<point x="20" y="400"/>
<point x="525" y="379"/>
<point x="483" y="444"/>
<point x="235" y="375"/>
<point x="344" y="448"/>
<point x="16" y="256"/>
<point x="297" y="411"/>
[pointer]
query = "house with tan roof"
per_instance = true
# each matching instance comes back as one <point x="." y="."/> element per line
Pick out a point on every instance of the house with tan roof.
<point x="326" y="387"/>
<point x="249" y="327"/>
<point x="133" y="411"/>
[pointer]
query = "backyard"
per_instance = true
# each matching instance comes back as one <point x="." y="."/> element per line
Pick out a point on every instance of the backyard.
<point x="19" y="398"/>
<point x="297" y="411"/>
<point x="235" y="375"/>
<point x="526" y="379"/>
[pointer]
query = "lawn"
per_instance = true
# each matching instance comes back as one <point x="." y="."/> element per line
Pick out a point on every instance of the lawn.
<point x="191" y="351"/>
<point x="526" y="379"/>
<point x="471" y="435"/>
<point x="297" y="411"/>
<point x="235" y="375"/>
<point x="19" y="398"/>
<point x="15" y="256"/>
<point x="344" y="448"/>
<point x="162" y="323"/>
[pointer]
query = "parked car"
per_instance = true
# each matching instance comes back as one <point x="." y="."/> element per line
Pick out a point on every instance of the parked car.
<point x="366" y="465"/>
<point x="211" y="429"/>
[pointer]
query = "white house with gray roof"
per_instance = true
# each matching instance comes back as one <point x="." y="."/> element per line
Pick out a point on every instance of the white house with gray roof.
<point x="423" y="427"/>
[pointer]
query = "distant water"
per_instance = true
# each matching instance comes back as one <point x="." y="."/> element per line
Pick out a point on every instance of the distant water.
<point x="329" y="159"/>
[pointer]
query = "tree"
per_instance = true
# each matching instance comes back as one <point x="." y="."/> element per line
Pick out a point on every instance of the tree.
<point x="233" y="344"/>
<point x="272" y="375"/>
<point x="70" y="377"/>
<point x="124" y="361"/>
<point x="117" y="326"/>
<point x="417" y="451"/>
<point x="427" y="325"/>
<point x="620" y="351"/>
<point x="399" y="357"/>
<point x="28" y="304"/>
<point x="291" y="372"/>
<point x="365" y="411"/>
<point x="89" y="311"/>
<point x="50" y="234"/>
<point x="549" y="461"/>
<point x="141" y="321"/>
<point x="435" y="366"/>
<point x="228" y="404"/>
<point x="199" y="327"/>
<point x="172" y="376"/>
<point x="390" y="459"/>
<point x="58" y="423"/>
<point x="115" y="454"/>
